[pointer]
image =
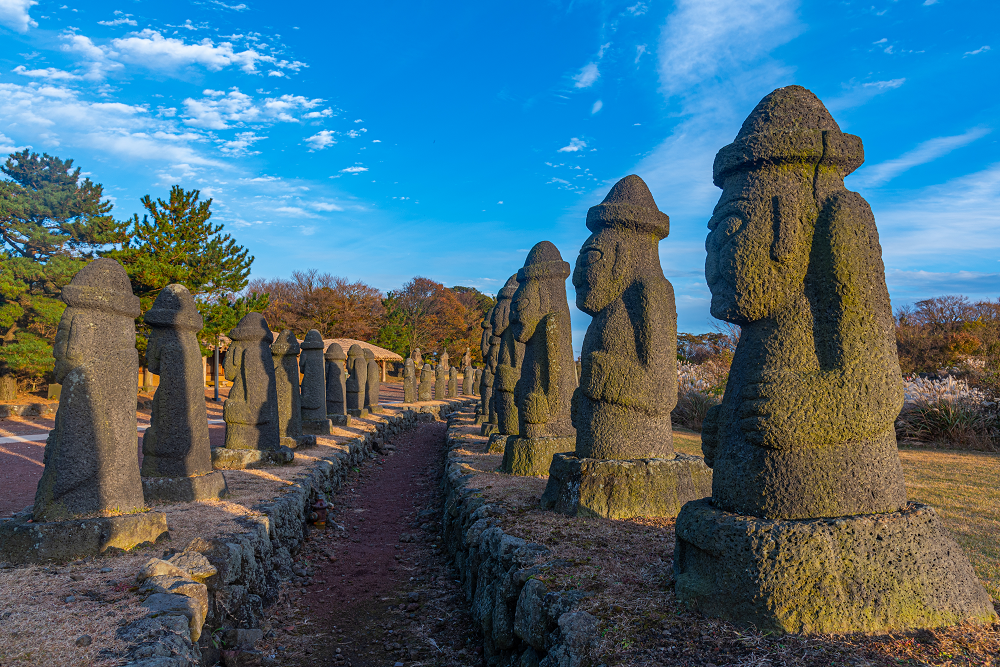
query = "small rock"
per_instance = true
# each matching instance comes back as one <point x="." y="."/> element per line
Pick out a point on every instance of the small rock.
<point x="76" y="577"/>
<point x="70" y="598"/>
<point x="413" y="596"/>
<point x="104" y="570"/>
<point x="84" y="640"/>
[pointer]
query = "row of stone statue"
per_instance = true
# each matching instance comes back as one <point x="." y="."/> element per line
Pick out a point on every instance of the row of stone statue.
<point x="803" y="522"/>
<point x="437" y="382"/>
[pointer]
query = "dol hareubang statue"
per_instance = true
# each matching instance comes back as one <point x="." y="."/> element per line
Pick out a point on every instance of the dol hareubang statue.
<point x="808" y="528"/>
<point x="624" y="464"/>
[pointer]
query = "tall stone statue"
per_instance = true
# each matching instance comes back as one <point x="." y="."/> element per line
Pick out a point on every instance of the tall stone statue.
<point x="251" y="411"/>
<point x="808" y="495"/>
<point x="485" y="385"/>
<point x="336" y="384"/>
<point x="628" y="385"/>
<point x="313" y="385"/>
<point x="539" y="318"/>
<point x="452" y="382"/>
<point x="285" y="352"/>
<point x="373" y="384"/>
<point x="426" y="383"/>
<point x="418" y="359"/>
<point x="409" y="382"/>
<point x="357" y="381"/>
<point x="467" y="357"/>
<point x="441" y="382"/>
<point x="509" y="355"/>
<point x="176" y="454"/>
<point x="444" y="361"/>
<point x="90" y="458"/>
<point x="468" y="379"/>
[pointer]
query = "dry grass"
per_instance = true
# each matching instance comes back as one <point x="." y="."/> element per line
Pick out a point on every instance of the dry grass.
<point x="38" y="629"/>
<point x="625" y="568"/>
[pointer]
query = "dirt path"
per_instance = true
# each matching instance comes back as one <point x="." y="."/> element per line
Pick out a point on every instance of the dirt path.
<point x="380" y="592"/>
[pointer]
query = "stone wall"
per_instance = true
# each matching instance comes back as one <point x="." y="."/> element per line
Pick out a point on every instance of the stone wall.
<point x="250" y="566"/>
<point x="522" y="623"/>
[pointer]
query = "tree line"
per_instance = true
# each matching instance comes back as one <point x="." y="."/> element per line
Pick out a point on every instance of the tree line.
<point x="53" y="221"/>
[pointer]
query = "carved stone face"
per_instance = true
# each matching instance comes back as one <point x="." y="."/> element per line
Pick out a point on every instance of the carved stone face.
<point x="525" y="309"/>
<point x="596" y="276"/>
<point x="756" y="260"/>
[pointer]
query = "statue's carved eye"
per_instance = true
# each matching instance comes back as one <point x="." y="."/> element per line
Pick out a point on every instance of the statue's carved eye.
<point x="592" y="255"/>
<point x="730" y="225"/>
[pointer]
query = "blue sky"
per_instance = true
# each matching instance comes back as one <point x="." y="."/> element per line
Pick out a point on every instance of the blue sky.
<point x="379" y="141"/>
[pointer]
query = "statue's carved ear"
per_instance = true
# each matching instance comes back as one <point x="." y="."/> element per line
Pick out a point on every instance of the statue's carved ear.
<point x="786" y="227"/>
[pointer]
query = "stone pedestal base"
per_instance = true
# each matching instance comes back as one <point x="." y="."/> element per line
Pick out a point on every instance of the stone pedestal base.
<point x="867" y="573"/>
<point x="317" y="427"/>
<point x="359" y="413"/>
<point x="625" y="489"/>
<point x="533" y="456"/>
<point x="240" y="459"/>
<point x="340" y="420"/>
<point x="184" y="489"/>
<point x="61" y="541"/>
<point x="489" y="429"/>
<point x="497" y="443"/>
<point x="375" y="409"/>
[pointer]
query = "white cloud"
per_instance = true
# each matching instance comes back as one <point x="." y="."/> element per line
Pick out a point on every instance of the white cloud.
<point x="217" y="110"/>
<point x="14" y="14"/>
<point x="597" y="107"/>
<point x="324" y="206"/>
<point x="574" y="146"/>
<point x="587" y="76"/>
<point x="981" y="49"/>
<point x="123" y="19"/>
<point x="325" y="113"/>
<point x="702" y="39"/>
<point x="928" y="3"/>
<point x="151" y="49"/>
<point x="638" y="9"/>
<point x="359" y="121"/>
<point x="320" y="140"/>
<point x="241" y="144"/>
<point x="354" y="170"/>
<point x="7" y="145"/>
<point x="500" y="202"/>
<point x="857" y="95"/>
<point x="376" y="141"/>
<point x="236" y="8"/>
<point x="927" y="151"/>
<point x="49" y="73"/>
<point x="640" y="51"/>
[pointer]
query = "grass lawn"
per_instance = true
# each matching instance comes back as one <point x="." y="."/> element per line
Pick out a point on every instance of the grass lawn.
<point x="964" y="488"/>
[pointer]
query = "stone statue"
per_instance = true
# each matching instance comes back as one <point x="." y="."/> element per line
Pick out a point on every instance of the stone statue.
<point x="509" y="355"/>
<point x="357" y="381"/>
<point x="418" y="359"/>
<point x="251" y="411"/>
<point x="336" y="383"/>
<point x="285" y="352"/>
<point x="443" y="361"/>
<point x="467" y="357"/>
<point x="313" y="386"/>
<point x="176" y="454"/>
<point x="409" y="382"/>
<point x="90" y="458"/>
<point x="628" y="384"/>
<point x="477" y="381"/>
<point x="468" y="379"/>
<point x="805" y="431"/>
<point x="426" y="383"/>
<point x="485" y="384"/>
<point x="373" y="384"/>
<point x="441" y="382"/>
<point x="452" y="382"/>
<point x="539" y="318"/>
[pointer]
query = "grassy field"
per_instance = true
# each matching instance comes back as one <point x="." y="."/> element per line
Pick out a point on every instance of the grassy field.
<point x="964" y="488"/>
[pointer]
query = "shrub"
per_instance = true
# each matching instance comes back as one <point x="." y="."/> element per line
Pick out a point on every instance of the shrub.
<point x="962" y="423"/>
<point x="692" y="406"/>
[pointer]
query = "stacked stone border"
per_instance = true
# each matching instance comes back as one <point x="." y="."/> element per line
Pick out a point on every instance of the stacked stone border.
<point x="250" y="566"/>
<point x="521" y="622"/>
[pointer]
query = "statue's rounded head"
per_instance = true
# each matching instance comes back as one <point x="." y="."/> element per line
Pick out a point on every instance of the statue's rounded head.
<point x="174" y="308"/>
<point x="253" y="327"/>
<point x="356" y="352"/>
<point x="787" y="158"/>
<point x="313" y="340"/>
<point x="543" y="267"/>
<point x="335" y="353"/>
<point x="369" y="355"/>
<point x="102" y="285"/>
<point x="285" y="344"/>
<point x="627" y="228"/>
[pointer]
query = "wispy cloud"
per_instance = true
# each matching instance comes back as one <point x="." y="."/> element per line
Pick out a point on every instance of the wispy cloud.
<point x="123" y="19"/>
<point x="858" y="93"/>
<point x="14" y="14"/>
<point x="241" y="144"/>
<point x="587" y="76"/>
<point x="597" y="107"/>
<point x="321" y="140"/>
<point x="981" y="49"/>
<point x="218" y="110"/>
<point x="574" y="146"/>
<point x="236" y="8"/>
<point x="927" y="151"/>
<point x="354" y="170"/>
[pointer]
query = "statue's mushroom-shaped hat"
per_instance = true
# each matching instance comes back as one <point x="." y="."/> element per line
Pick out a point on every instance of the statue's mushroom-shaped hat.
<point x="285" y="344"/>
<point x="313" y="340"/>
<point x="789" y="125"/>
<point x="253" y="326"/>
<point x="543" y="262"/>
<point x="629" y="205"/>
<point x="174" y="307"/>
<point x="102" y="285"/>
